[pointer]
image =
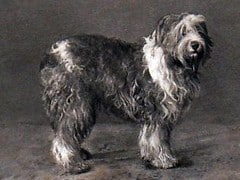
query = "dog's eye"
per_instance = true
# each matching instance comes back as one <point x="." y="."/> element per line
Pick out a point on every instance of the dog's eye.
<point x="184" y="30"/>
<point x="201" y="29"/>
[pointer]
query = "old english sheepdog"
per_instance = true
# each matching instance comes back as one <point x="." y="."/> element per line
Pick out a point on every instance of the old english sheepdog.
<point x="153" y="84"/>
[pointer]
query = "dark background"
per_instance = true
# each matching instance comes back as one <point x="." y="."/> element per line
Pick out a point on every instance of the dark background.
<point x="208" y="139"/>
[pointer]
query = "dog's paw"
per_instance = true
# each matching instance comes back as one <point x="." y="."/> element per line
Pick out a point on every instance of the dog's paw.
<point x="78" y="168"/>
<point x="165" y="161"/>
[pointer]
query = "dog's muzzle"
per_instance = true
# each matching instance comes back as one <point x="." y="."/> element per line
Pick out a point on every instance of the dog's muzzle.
<point x="195" y="52"/>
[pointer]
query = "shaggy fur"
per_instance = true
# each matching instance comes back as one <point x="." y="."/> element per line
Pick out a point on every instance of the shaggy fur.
<point x="152" y="84"/>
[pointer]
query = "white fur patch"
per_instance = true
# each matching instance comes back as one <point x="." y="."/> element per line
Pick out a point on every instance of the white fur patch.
<point x="149" y="143"/>
<point x="143" y="142"/>
<point x="61" y="50"/>
<point x="193" y="19"/>
<point x="157" y="66"/>
<point x="153" y="56"/>
<point x="62" y="152"/>
<point x="154" y="139"/>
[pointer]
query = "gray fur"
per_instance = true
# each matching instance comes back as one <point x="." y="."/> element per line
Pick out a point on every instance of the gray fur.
<point x="153" y="84"/>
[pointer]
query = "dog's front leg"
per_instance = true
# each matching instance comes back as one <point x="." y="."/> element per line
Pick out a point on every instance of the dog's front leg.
<point x="155" y="146"/>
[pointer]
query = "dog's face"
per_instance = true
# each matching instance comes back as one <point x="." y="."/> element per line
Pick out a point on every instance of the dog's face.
<point x="185" y="38"/>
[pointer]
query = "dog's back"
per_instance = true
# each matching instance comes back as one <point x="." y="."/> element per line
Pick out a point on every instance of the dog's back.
<point x="103" y="66"/>
<point x="90" y="51"/>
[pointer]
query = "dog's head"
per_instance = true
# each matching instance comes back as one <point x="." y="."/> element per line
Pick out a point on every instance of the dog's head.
<point x="185" y="38"/>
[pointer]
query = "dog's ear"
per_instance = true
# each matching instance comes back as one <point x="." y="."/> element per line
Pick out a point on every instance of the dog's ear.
<point x="208" y="40"/>
<point x="207" y="37"/>
<point x="161" y="28"/>
<point x="209" y="45"/>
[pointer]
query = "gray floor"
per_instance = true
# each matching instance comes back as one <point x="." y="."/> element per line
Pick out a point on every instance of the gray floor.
<point x="208" y="139"/>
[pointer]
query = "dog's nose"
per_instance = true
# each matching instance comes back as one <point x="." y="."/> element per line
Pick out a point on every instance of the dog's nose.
<point x="195" y="45"/>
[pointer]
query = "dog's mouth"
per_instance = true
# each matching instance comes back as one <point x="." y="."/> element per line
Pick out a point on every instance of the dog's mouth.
<point x="193" y="60"/>
<point x="194" y="56"/>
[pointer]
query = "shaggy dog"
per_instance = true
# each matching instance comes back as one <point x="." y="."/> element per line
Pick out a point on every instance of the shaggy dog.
<point x="153" y="84"/>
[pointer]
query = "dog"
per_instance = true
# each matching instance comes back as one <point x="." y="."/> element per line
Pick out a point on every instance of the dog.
<point x="153" y="84"/>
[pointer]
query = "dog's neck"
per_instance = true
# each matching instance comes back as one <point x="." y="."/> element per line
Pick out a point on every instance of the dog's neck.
<point x="169" y="79"/>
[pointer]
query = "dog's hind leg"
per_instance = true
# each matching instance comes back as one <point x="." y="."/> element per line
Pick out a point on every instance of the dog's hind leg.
<point x="155" y="146"/>
<point x="70" y="105"/>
